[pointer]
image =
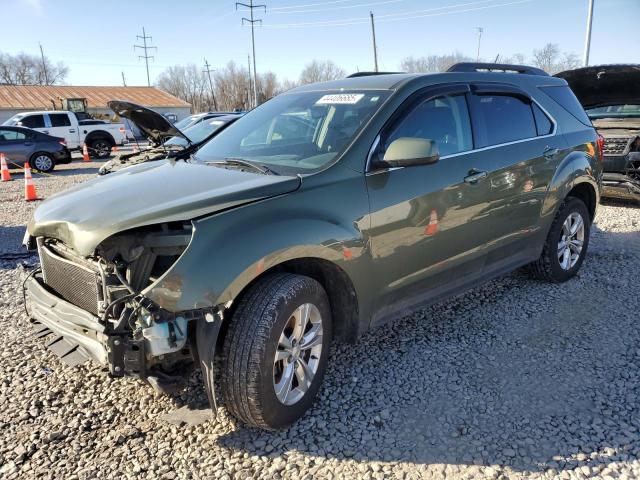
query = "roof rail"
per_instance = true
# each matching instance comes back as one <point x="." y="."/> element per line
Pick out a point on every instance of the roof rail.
<point x="370" y="74"/>
<point x="495" y="67"/>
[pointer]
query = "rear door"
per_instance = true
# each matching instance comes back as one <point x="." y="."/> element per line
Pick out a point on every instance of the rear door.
<point x="16" y="146"/>
<point x="518" y="150"/>
<point x="62" y="127"/>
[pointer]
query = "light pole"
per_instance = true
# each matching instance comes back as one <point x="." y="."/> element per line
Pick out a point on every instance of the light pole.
<point x="587" y="40"/>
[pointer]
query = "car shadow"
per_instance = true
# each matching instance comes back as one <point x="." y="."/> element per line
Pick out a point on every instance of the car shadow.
<point x="69" y="171"/>
<point x="517" y="373"/>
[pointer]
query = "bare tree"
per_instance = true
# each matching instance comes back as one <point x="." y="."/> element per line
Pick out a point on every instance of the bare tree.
<point x="24" y="69"/>
<point x="432" y="63"/>
<point x="187" y="83"/>
<point x="318" y="71"/>
<point x="550" y="59"/>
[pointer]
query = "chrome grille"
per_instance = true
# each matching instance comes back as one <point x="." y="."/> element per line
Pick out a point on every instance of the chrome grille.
<point x="75" y="283"/>
<point x="615" y="146"/>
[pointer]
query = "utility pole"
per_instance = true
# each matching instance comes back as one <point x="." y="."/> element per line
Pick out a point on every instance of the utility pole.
<point x="145" y="47"/>
<point x="44" y="66"/>
<point x="375" y="47"/>
<point x="249" y="65"/>
<point x="253" y="21"/>
<point x="480" y="30"/>
<point x="587" y="40"/>
<point x="124" y="82"/>
<point x="208" y="71"/>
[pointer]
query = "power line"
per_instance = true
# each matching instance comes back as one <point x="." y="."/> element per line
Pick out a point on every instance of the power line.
<point x="145" y="47"/>
<point x="360" y="5"/>
<point x="208" y="71"/>
<point x="408" y="15"/>
<point x="252" y="22"/>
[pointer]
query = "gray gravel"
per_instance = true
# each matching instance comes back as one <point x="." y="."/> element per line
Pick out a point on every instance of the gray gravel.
<point x="515" y="379"/>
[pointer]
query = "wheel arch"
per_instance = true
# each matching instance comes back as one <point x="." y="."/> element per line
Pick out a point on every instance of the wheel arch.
<point x="99" y="135"/>
<point x="337" y="284"/>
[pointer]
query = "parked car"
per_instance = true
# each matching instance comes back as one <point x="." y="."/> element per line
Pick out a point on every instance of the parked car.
<point x="611" y="96"/>
<point x="200" y="117"/>
<point x="99" y="138"/>
<point x="331" y="209"/>
<point x="168" y="141"/>
<point x="43" y="152"/>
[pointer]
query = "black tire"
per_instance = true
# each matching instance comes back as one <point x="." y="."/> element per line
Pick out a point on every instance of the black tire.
<point x="42" y="162"/>
<point x="548" y="267"/>
<point x="250" y="345"/>
<point x="100" y="148"/>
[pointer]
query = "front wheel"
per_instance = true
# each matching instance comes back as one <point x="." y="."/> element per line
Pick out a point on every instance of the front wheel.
<point x="276" y="351"/>
<point x="566" y="244"/>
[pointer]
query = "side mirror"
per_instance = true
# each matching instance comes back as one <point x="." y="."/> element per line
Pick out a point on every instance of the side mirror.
<point x="407" y="152"/>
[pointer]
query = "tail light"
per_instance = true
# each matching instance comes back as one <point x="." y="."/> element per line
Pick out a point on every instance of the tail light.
<point x="62" y="142"/>
<point x="600" y="143"/>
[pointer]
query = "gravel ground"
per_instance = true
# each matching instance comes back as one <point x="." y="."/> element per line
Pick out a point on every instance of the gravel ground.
<point x="515" y="379"/>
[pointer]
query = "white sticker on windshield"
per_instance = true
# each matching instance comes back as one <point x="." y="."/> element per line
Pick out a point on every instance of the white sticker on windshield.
<point x="340" y="99"/>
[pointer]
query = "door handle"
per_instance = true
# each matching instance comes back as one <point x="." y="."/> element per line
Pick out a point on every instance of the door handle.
<point x="28" y="144"/>
<point x="474" y="176"/>
<point x="71" y="130"/>
<point x="549" y="152"/>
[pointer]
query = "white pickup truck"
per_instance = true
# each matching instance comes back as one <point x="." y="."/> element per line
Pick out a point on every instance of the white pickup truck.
<point x="64" y="124"/>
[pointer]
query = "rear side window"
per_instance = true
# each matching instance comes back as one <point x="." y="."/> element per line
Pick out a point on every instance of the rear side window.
<point x="33" y="121"/>
<point x="444" y="120"/>
<point x="11" y="135"/>
<point x="59" y="120"/>
<point x="502" y="119"/>
<point x="543" y="124"/>
<point x="567" y="100"/>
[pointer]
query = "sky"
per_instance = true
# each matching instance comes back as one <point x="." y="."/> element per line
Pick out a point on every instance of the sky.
<point x="95" y="39"/>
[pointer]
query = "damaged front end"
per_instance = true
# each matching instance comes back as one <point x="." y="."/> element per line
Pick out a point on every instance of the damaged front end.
<point x="96" y="308"/>
<point x="621" y="177"/>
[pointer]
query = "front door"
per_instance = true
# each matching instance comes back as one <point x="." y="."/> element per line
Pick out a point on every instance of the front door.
<point x="425" y="219"/>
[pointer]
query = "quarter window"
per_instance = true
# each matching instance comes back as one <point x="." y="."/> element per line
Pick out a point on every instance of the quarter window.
<point x="543" y="124"/>
<point x="503" y="118"/>
<point x="59" y="120"/>
<point x="444" y="120"/>
<point x="33" y="121"/>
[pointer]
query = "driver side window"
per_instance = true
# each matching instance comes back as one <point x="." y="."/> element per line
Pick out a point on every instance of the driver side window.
<point x="445" y="120"/>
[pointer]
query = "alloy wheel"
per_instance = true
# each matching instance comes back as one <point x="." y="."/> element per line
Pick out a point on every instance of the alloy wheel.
<point x="298" y="354"/>
<point x="43" y="163"/>
<point x="571" y="241"/>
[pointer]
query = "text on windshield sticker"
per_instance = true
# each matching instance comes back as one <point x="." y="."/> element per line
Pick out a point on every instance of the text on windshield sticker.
<point x="340" y="99"/>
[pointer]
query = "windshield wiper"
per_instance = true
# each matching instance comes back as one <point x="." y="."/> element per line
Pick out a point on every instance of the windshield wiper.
<point x="245" y="163"/>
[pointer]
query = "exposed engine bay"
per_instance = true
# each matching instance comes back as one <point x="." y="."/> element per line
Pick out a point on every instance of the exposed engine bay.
<point x="621" y="160"/>
<point x="142" y="338"/>
<point x="145" y="155"/>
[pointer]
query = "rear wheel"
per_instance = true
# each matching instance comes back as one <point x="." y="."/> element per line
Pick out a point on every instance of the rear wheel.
<point x="566" y="244"/>
<point x="276" y="351"/>
<point x="100" y="148"/>
<point x="42" y="162"/>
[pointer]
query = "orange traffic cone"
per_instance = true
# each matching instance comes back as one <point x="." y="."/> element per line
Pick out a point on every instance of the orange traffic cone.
<point x="85" y="153"/>
<point x="29" y="188"/>
<point x="432" y="228"/>
<point x="4" y="170"/>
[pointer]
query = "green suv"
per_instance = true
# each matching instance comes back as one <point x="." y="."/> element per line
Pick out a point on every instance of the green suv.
<point x="326" y="211"/>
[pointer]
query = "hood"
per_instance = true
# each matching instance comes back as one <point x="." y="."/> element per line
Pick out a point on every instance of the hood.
<point x="154" y="125"/>
<point x="602" y="86"/>
<point x="149" y="193"/>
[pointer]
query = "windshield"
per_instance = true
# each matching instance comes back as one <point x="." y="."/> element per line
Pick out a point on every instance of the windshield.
<point x="297" y="132"/>
<point x="187" y="121"/>
<point x="198" y="132"/>
<point x="615" y="111"/>
<point x="13" y="120"/>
